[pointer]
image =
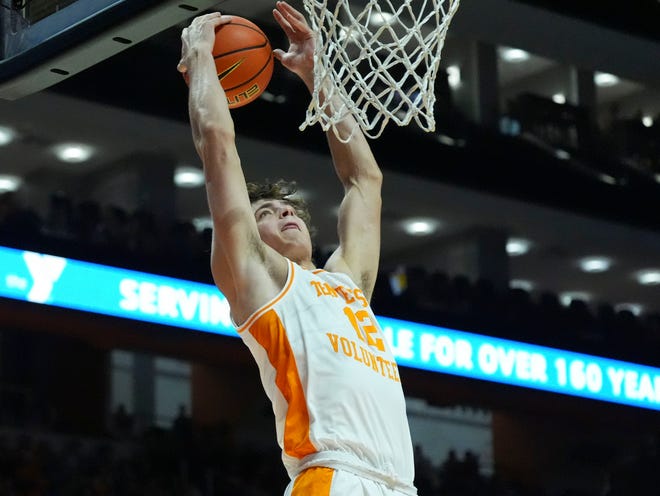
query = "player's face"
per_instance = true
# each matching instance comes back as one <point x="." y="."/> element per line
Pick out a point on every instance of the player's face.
<point x="282" y="229"/>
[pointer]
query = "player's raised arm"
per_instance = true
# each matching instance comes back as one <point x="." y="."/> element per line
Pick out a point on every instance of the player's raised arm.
<point x="359" y="212"/>
<point x="238" y="259"/>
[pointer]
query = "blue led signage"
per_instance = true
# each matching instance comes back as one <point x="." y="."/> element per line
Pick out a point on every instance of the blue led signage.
<point x="107" y="290"/>
<point x="521" y="364"/>
<point x="78" y="285"/>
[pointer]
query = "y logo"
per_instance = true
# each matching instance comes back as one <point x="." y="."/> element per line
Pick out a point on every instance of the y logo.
<point x="45" y="271"/>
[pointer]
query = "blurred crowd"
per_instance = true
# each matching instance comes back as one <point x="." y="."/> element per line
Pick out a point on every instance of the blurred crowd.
<point x="434" y="297"/>
<point x="192" y="461"/>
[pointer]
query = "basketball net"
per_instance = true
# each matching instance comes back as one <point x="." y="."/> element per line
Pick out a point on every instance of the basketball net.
<point x="377" y="64"/>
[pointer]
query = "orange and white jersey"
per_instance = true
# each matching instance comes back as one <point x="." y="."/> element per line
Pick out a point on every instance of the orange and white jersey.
<point x="331" y="377"/>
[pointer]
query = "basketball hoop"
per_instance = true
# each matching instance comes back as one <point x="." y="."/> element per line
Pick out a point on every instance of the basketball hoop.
<point x="377" y="63"/>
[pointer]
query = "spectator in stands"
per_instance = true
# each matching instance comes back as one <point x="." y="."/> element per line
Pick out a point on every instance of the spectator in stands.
<point x="59" y="219"/>
<point x="88" y="223"/>
<point x="122" y="422"/>
<point x="18" y="224"/>
<point x="182" y="425"/>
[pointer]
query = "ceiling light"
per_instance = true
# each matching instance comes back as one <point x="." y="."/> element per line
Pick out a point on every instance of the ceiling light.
<point x="273" y="98"/>
<point x="446" y="140"/>
<point x="73" y="152"/>
<point x="7" y="135"/>
<point x="352" y="35"/>
<point x="607" y="179"/>
<point x="605" y="80"/>
<point x="380" y="18"/>
<point x="521" y="284"/>
<point x="509" y="126"/>
<point x="454" y="76"/>
<point x="635" y="308"/>
<point x="517" y="246"/>
<point x="595" y="264"/>
<point x="562" y="154"/>
<point x="9" y="183"/>
<point x="568" y="296"/>
<point x="420" y="227"/>
<point x="186" y="176"/>
<point x="300" y="194"/>
<point x="202" y="223"/>
<point x="514" y="55"/>
<point x="559" y="98"/>
<point x="648" y="277"/>
<point x="647" y="121"/>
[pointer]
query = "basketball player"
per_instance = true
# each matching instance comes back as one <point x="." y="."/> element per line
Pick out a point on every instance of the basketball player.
<point x="325" y="364"/>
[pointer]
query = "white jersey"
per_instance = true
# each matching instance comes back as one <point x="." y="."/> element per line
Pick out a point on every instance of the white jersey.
<point x="332" y="379"/>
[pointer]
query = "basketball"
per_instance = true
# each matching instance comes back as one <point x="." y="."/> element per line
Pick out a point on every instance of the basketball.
<point x="243" y="60"/>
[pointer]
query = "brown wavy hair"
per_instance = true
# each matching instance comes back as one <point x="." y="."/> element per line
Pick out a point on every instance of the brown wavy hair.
<point x="281" y="190"/>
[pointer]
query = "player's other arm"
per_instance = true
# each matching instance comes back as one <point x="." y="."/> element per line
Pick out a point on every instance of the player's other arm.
<point x="238" y="257"/>
<point x="360" y="210"/>
<point x="359" y="213"/>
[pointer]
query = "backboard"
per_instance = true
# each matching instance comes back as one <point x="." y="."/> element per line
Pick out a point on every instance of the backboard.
<point x="43" y="42"/>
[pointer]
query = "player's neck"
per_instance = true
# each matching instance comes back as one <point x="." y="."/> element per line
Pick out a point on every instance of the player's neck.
<point x="307" y="264"/>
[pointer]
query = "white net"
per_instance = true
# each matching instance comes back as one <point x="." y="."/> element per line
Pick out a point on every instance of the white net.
<point x="377" y="62"/>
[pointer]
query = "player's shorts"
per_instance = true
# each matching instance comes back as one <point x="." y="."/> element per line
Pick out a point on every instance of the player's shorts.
<point x="323" y="481"/>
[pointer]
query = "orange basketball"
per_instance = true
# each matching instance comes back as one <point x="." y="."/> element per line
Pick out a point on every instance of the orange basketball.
<point x="243" y="59"/>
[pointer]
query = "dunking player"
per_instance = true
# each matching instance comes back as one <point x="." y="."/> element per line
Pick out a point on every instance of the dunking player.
<point x="339" y="407"/>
